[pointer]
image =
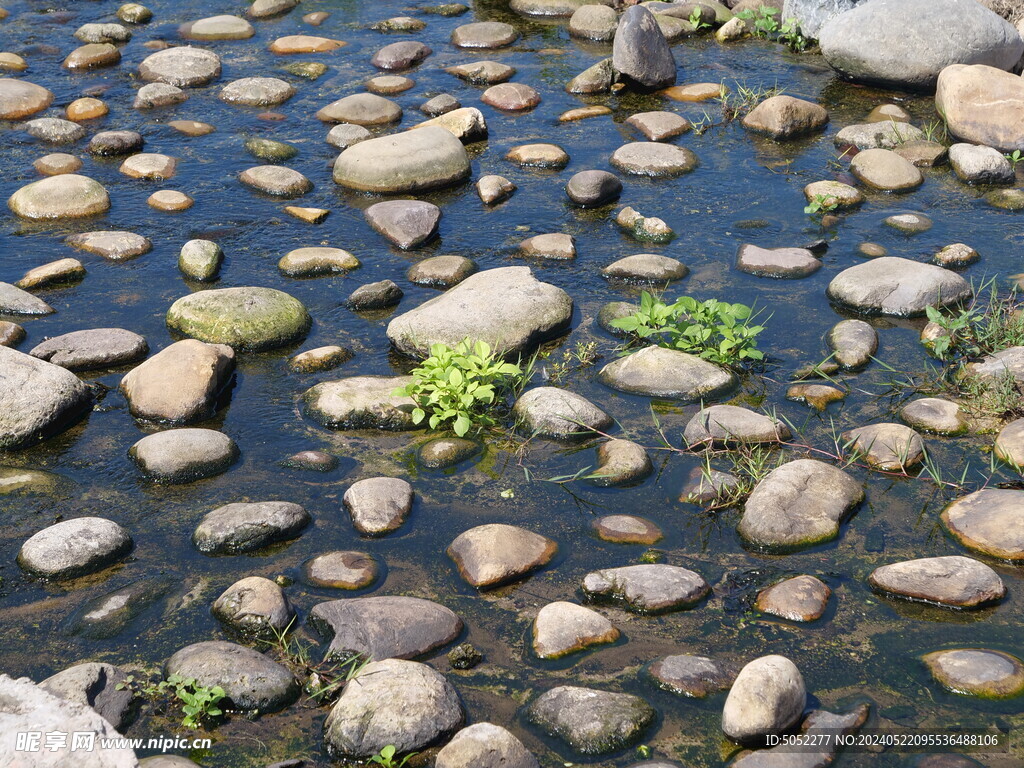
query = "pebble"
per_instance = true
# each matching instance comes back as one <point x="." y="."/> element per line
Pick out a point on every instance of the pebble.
<point x="724" y="425"/>
<point x="488" y="72"/>
<point x="95" y="348"/>
<point x="494" y="189"/>
<point x="853" y="344"/>
<point x="184" y="455"/>
<point x="183" y="67"/>
<point x="344" y="135"/>
<point x="785" y="117"/>
<point x="320" y="359"/>
<point x="659" y="372"/>
<point x="511" y="97"/>
<point x="589" y="189"/>
<point x="782" y="263"/>
<point x="170" y="200"/>
<point x="885" y="170"/>
<point x="627" y="529"/>
<point x="93" y="56"/>
<point x="484" y="34"/>
<point x="254" y="606"/>
<point x="651" y="158"/>
<point x="485" y="745"/>
<point x="15" y="301"/>
<point x="54" y="130"/>
<point x="293" y="44"/>
<point x="582" y="113"/>
<point x="439" y="105"/>
<point x="155" y="95"/>
<point x="74" y="548"/>
<point x="659" y="126"/>
<point x="400" y="55"/>
<point x="801" y="598"/>
<point x="620" y="463"/>
<point x="217" y="28"/>
<point x="257" y="92"/>
<point x="556" y="246"/>
<point x="935" y="415"/>
<point x="956" y="255"/>
<point x="57" y="163"/>
<point x="20" y="98"/>
<point x="341" y="570"/>
<point x="308" y="215"/>
<point x="495" y="554"/>
<point x="365" y="109"/>
<point x="405" y="223"/>
<point x="312" y="262"/>
<point x="651" y="588"/>
<point x="67" y="196"/>
<point x="562" y="628"/>
<point x="441" y="271"/>
<point x="54" y="273"/>
<point x="245" y="318"/>
<point x="149" y="165"/>
<point x="112" y="143"/>
<point x="378" y="505"/>
<point x="11" y="334"/>
<point x="389" y="84"/>
<point x="952" y="581"/>
<point x="445" y="452"/>
<point x="276" y="180"/>
<point x="594" y="22"/>
<point x="591" y="721"/>
<point x="248" y="526"/>
<point x="252" y="681"/>
<point x="85" y="109"/>
<point x="538" y="156"/>
<point x="372" y="296"/>
<point x="558" y="414"/>
<point x="314" y="461"/>
<point x="818" y="396"/>
<point x="693" y="676"/>
<point x="888" y="447"/>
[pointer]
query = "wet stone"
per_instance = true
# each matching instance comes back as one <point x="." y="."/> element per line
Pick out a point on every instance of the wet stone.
<point x="344" y="135"/>
<point x="594" y="22"/>
<point x="651" y="158"/>
<point x="483" y="72"/>
<point x="496" y="554"/>
<point x="593" y="188"/>
<point x="640" y="53"/>
<point x="885" y="170"/>
<point x="956" y="255"/>
<point x="582" y="113"/>
<point x="445" y="452"/>
<point x="276" y="180"/>
<point x="245" y="318"/>
<point x="484" y="34"/>
<point x="19" y="98"/>
<point x="169" y="200"/>
<point x="312" y="262"/>
<point x="249" y="526"/>
<point x="558" y="414"/>
<point x="511" y="97"/>
<point x="895" y="286"/>
<point x="149" y="165"/>
<point x="294" y="44"/>
<point x="94" y="685"/>
<point x="909" y="223"/>
<point x="658" y="372"/>
<point x="264" y="9"/>
<point x="92" y="349"/>
<point x="720" y="425"/>
<point x="441" y="271"/>
<point x="254" y="606"/>
<point x="313" y="461"/>
<point x="1006" y="199"/>
<point x="385" y="627"/>
<point x="56" y="164"/>
<point x="54" y="273"/>
<point x="183" y="67"/>
<point x="103" y="33"/>
<point x="366" y="109"/>
<point x="400" y="55"/>
<point x="15" y="301"/>
<point x="405" y="223"/>
<point x="74" y="548"/>
<point x="935" y="415"/>
<point x="134" y="13"/>
<point x="310" y="70"/>
<point x="714" y="487"/>
<point x="485" y="745"/>
<point x="11" y="334"/>
<point x="378" y="505"/>
<point x="399" y="24"/>
<point x="786" y="263"/>
<point x="269" y="150"/>
<point x="853" y="343"/>
<point x="86" y="109"/>
<point x="93" y="56"/>
<point x="464" y="656"/>
<point x="953" y="581"/>
<point x="659" y="126"/>
<point x="440" y="105"/>
<point x="627" y="529"/>
<point x="595" y="79"/>
<point x="68" y="196"/>
<point x="389" y="84"/>
<point x="563" y="628"/>
<point x="53" y="130"/>
<point x="980" y="165"/>
<point x="217" y="28"/>
<point x="38" y="399"/>
<point x="200" y="260"/>
<point x="801" y="598"/>
<point x="114" y="143"/>
<point x="252" y="681"/>
<point x="784" y="117"/>
<point x="767" y="698"/>
<point x="693" y="676"/>
<point x="494" y="189"/>
<point x="538" y="156"/>
<point x="257" y="92"/>
<point x="978" y="672"/>
<point x="110" y="614"/>
<point x="989" y="521"/>
<point x="308" y="215"/>
<point x="643" y="228"/>
<point x="922" y="153"/>
<point x="361" y="402"/>
<point x="184" y="455"/>
<point x="1008" y="361"/>
<point x="1010" y="443"/>
<point x="155" y="95"/>
<point x="341" y="570"/>
<point x="653" y="588"/>
<point x="320" y="359"/>
<point x="200" y="371"/>
<point x="647" y="268"/>
<point x="835" y="193"/>
<point x="620" y="463"/>
<point x="888" y="447"/>
<point x="878" y="135"/>
<point x="591" y="721"/>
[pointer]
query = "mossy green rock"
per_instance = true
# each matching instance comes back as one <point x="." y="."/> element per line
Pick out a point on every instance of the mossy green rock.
<point x="244" y="318"/>
<point x="310" y="70"/>
<point x="270" y="151"/>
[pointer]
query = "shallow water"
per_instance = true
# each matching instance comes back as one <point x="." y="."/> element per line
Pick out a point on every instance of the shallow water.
<point x="865" y="647"/>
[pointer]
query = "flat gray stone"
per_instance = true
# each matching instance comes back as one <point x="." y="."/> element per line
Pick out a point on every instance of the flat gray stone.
<point x="184" y="67"/>
<point x="668" y="373"/>
<point x="249" y="526"/>
<point x="562" y="628"/>
<point x="591" y="721"/>
<point x="730" y="425"/>
<point x="954" y="581"/>
<point x="184" y="455"/>
<point x="37" y="399"/>
<point x="74" y="548"/>
<point x="92" y="349"/>
<point x="252" y="681"/>
<point x="989" y="521"/>
<point x="405" y="223"/>
<point x="890" y="285"/>
<point x="361" y="402"/>
<point x="787" y="263"/>
<point x="430" y="157"/>
<point x="558" y="414"/>
<point x="495" y="554"/>
<point x="693" y="676"/>
<point x="648" y="588"/>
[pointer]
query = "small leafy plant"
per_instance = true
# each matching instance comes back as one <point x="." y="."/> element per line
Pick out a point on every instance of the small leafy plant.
<point x="386" y="757"/>
<point x="459" y="387"/>
<point x="1015" y="157"/>
<point x="714" y="330"/>
<point x="766" y="26"/>
<point x="820" y="205"/>
<point x="697" y="22"/>
<point x="198" y="703"/>
<point x="791" y="36"/>
<point x="987" y="325"/>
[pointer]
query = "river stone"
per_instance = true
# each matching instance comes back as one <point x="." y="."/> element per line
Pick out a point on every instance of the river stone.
<point x="37" y="399"/>
<point x="92" y="349"/>
<point x="784" y="117"/>
<point x="956" y="255"/>
<point x="11" y="334"/>
<point x="250" y="319"/>
<point x="798" y="505"/>
<point x="15" y="301"/>
<point x="931" y="35"/>
<point x="853" y="343"/>
<point x="593" y="188"/>
<point x="658" y="126"/>
<point x="647" y="268"/>
<point x="344" y="135"/>
<point x="444" y="452"/>
<point x="56" y="164"/>
<point x="361" y="109"/>
<point x="113" y="143"/>
<point x="75" y="547"/>
<point x="484" y="34"/>
<point x="184" y="67"/>
<point x="361" y="402"/>
<point x="255" y="606"/>
<point x="403" y="704"/>
<point x="885" y="170"/>
<point x="257" y="92"/>
<point x="54" y="130"/>
<point x="467" y="124"/>
<point x="955" y="581"/>
<point x="548" y="8"/>
<point x="314" y="461"/>
<point x="292" y="44"/>
<point x="19" y="98"/>
<point x="888" y="447"/>
<point x="92" y="56"/>
<point x="26" y="707"/>
<point x="495" y="554"/>
<point x="149" y="165"/>
<point x="837" y="194"/>
<point x="890" y="285"/>
<point x="405" y="223"/>
<point x="169" y="200"/>
<point x="54" y="273"/>
<point x="562" y="628"/>
<point x="311" y="262"/>
<point x="594" y="22"/>
<point x="627" y="529"/>
<point x="248" y="526"/>
<point x="558" y="414"/>
<point x="184" y="455"/>
<point x="821" y="728"/>
<point x="982" y="105"/>
<point x="659" y="372"/>
<point x="1007" y="361"/>
<point x="923" y="154"/>
<point x="652" y="158"/>
<point x="640" y="53"/>
<point x="620" y="462"/>
<point x="110" y="614"/>
<point x="276" y="180"/>
<point x="721" y="425"/>
<point x="158" y="95"/>
<point x="511" y="97"/>
<point x="320" y="359"/>
<point x="372" y="296"/>
<point x="977" y="672"/>
<point x="252" y="681"/>
<point x="494" y="189"/>
<point x="980" y="165"/>
<point x="935" y="415"/>
<point x="989" y="521"/>
<point x="95" y="685"/>
<point x="776" y="262"/>
<point x="389" y="84"/>
<point x="378" y="505"/>
<point x="484" y="745"/>
<point x="881" y="135"/>
<point x="801" y="598"/>
<point x="25" y="482"/>
<point x="200" y="260"/>
<point x="441" y="271"/>
<point x="506" y="307"/>
<point x="767" y="698"/>
<point x="200" y="373"/>
<point x="693" y="676"/>
<point x="650" y="588"/>
<point x="400" y="55"/>
<point x="68" y="196"/>
<point x="429" y="157"/>
<point x="538" y="156"/>
<point x="262" y="9"/>
<point x="134" y="13"/>
<point x="591" y="721"/>
<point x="594" y="79"/>
<point x="1009" y="444"/>
<point x="217" y="28"/>
<point x="480" y="72"/>
<point x="341" y="570"/>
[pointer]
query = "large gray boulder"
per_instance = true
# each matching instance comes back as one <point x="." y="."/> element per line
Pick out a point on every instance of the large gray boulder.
<point x="74" y="547"/>
<point x="26" y="707"/>
<point x="392" y="702"/>
<point x="907" y="43"/>
<point x="247" y="318"/>
<point x="812" y="15"/>
<point x="895" y="286"/>
<point x="37" y="399"/>
<point x="361" y="402"/>
<point x="659" y="372"/>
<point x="640" y="54"/>
<point x="252" y="681"/>
<point x="91" y="349"/>
<point x="427" y="158"/>
<point x="507" y="307"/>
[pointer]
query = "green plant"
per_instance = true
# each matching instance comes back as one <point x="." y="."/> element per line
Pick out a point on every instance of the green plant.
<point x="714" y="330"/>
<point x="821" y="204"/>
<point x="1015" y="157"/>
<point x="583" y="355"/>
<point x="697" y="22"/>
<point x="198" y="702"/>
<point x="323" y="680"/>
<point x="460" y="387"/>
<point x="763" y="20"/>
<point x="935" y="130"/>
<point x="988" y="324"/>
<point x="386" y="757"/>
<point x="743" y="98"/>
<point x="791" y="36"/>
